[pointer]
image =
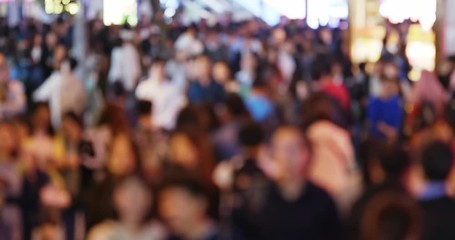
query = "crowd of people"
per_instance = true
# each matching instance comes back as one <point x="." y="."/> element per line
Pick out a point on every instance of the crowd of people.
<point x="231" y="131"/>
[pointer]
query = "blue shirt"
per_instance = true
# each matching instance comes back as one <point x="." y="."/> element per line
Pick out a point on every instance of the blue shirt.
<point x="389" y="111"/>
<point x="212" y="93"/>
<point x="260" y="107"/>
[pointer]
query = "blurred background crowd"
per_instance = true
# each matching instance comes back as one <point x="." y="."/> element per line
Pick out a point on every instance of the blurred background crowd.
<point x="233" y="130"/>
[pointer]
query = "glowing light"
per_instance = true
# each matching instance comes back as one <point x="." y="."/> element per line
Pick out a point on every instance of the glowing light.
<point x="326" y="12"/>
<point x="397" y="11"/>
<point x="414" y="75"/>
<point x="72" y="8"/>
<point x="292" y="9"/>
<point x="118" y="12"/>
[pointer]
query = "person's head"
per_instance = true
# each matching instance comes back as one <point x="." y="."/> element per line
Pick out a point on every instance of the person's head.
<point x="113" y="118"/>
<point x="122" y="159"/>
<point x="132" y="200"/>
<point x="387" y="163"/>
<point x="235" y="108"/>
<point x="144" y="112"/>
<point x="391" y="216"/>
<point x="72" y="127"/>
<point x="157" y="71"/>
<point x="437" y="161"/>
<point x="291" y="153"/>
<point x="37" y="40"/>
<point x="41" y="118"/>
<point x="60" y="56"/>
<point x="317" y="107"/>
<point x="221" y="72"/>
<point x="51" y="40"/>
<point x="183" y="203"/>
<point x="251" y="136"/>
<point x="322" y="68"/>
<point x="391" y="71"/>
<point x="191" y="150"/>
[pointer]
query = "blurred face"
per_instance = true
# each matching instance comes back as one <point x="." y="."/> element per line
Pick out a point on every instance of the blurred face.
<point x="60" y="55"/>
<point x="221" y="72"/>
<point x="180" y="210"/>
<point x="42" y="118"/>
<point x="204" y="68"/>
<point x="51" y="40"/>
<point x="132" y="201"/>
<point x="183" y="152"/>
<point x="37" y="40"/>
<point x="121" y="160"/>
<point x="157" y="71"/>
<point x="391" y="71"/>
<point x="290" y="153"/>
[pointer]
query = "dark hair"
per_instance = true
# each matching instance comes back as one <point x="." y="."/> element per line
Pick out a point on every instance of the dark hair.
<point x="322" y="66"/>
<point x="317" y="107"/>
<point x="118" y="89"/>
<point x="393" y="160"/>
<point x="251" y="135"/>
<point x="74" y="118"/>
<point x="73" y="63"/>
<point x="144" y="107"/>
<point x="437" y="160"/>
<point x="184" y="180"/>
<point x="391" y="215"/>
<point x="159" y="60"/>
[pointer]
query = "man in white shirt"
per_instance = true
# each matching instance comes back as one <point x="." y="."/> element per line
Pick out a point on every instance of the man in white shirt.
<point x="166" y="96"/>
<point x="188" y="44"/>
<point x="125" y="62"/>
<point x="63" y="91"/>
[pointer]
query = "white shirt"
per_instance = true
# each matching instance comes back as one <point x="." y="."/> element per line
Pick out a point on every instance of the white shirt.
<point x="64" y="92"/>
<point x="188" y="44"/>
<point x="125" y="66"/>
<point x="167" y="99"/>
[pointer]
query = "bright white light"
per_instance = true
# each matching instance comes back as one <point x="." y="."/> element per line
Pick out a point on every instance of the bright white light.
<point x="292" y="9"/>
<point x="397" y="11"/>
<point x="72" y="8"/>
<point x="324" y="12"/>
<point x="116" y="12"/>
